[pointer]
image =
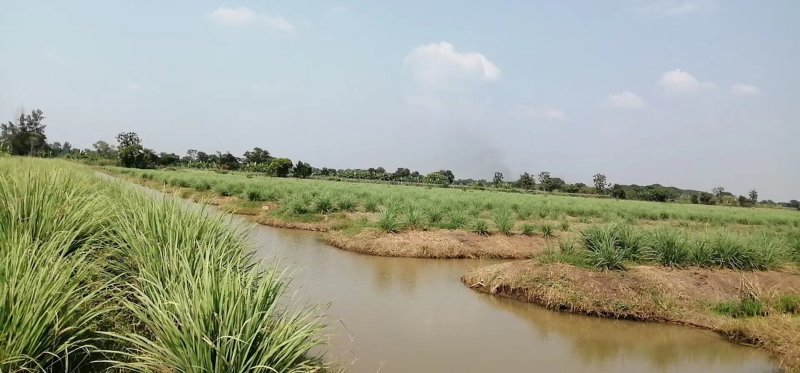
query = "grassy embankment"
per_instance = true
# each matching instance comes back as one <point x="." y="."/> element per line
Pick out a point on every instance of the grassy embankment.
<point x="732" y="270"/>
<point x="95" y="276"/>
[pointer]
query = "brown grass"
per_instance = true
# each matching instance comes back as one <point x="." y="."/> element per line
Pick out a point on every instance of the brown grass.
<point x="439" y="244"/>
<point x="654" y="294"/>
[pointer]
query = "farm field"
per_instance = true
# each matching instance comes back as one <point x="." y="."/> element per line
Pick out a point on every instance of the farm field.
<point x="95" y="276"/>
<point x="446" y="223"/>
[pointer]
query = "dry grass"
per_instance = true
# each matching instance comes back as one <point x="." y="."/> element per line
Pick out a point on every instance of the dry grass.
<point x="438" y="244"/>
<point x="659" y="294"/>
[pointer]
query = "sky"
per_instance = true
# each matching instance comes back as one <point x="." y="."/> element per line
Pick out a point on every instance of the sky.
<point x="689" y="93"/>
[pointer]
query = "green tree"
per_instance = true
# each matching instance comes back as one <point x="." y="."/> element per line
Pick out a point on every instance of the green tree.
<point x="257" y="156"/>
<point x="279" y="167"/>
<point x="544" y="180"/>
<point x="302" y="170"/>
<point x="718" y="191"/>
<point x="618" y="192"/>
<point x="105" y="150"/>
<point x="130" y="151"/>
<point x="228" y="161"/>
<point x="599" y="182"/>
<point x="27" y="136"/>
<point x="525" y="181"/>
<point x="497" y="179"/>
<point x="753" y="194"/>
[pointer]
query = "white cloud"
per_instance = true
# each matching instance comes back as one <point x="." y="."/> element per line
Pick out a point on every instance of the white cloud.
<point x="439" y="63"/>
<point x="745" y="89"/>
<point x="131" y="86"/>
<point x="624" y="100"/>
<point x="678" y="7"/>
<point x="680" y="82"/>
<point x="244" y="16"/>
<point x="546" y="112"/>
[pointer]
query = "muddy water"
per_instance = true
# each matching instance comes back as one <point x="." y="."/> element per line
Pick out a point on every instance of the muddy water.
<point x="414" y="315"/>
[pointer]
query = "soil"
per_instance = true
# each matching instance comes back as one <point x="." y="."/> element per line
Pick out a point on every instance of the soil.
<point x="439" y="244"/>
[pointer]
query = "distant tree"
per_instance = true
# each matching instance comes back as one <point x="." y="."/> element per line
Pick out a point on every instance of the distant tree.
<point x="228" y="161"/>
<point x="706" y="198"/>
<point x="26" y="137"/>
<point x="202" y="157"/>
<point x="794" y="204"/>
<point x="599" y="183"/>
<point x="449" y="175"/>
<point x="130" y="151"/>
<point x="618" y="192"/>
<point x="401" y="173"/>
<point x="745" y="201"/>
<point x="544" y="179"/>
<point x="526" y="181"/>
<point x="718" y="191"/>
<point x="168" y="159"/>
<point x="753" y="194"/>
<point x="302" y="170"/>
<point x="279" y="167"/>
<point x="694" y="199"/>
<point x="105" y="150"/>
<point x="436" y="178"/>
<point x="191" y="154"/>
<point x="497" y="179"/>
<point x="555" y="183"/>
<point x="257" y="156"/>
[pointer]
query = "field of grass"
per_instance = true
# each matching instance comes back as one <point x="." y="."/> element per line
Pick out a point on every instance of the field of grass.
<point x="602" y="233"/>
<point x="96" y="276"/>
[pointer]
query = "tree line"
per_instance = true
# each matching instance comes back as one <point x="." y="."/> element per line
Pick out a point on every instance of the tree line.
<point x="27" y="137"/>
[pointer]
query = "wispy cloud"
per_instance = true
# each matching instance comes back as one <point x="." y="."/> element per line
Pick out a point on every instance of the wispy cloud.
<point x="624" y="100"/>
<point x="440" y="63"/>
<point x="745" y="89"/>
<point x="677" y="7"/>
<point x="541" y="112"/>
<point x="679" y="82"/>
<point x="245" y="16"/>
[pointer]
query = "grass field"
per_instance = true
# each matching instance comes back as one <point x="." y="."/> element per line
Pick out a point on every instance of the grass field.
<point x="96" y="276"/>
<point x="602" y="233"/>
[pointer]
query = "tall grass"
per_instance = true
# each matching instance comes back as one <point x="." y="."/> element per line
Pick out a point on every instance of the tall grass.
<point x="91" y="270"/>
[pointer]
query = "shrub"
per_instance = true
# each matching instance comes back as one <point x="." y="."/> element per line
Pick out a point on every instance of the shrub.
<point x="456" y="220"/>
<point x="547" y="231"/>
<point x="389" y="221"/>
<point x="789" y="304"/>
<point x="604" y="252"/>
<point x="670" y="248"/>
<point x="346" y="204"/>
<point x="748" y="307"/>
<point x="564" y="226"/>
<point x="415" y="218"/>
<point x="435" y="215"/>
<point x="528" y="229"/>
<point x="254" y="194"/>
<point x="323" y="204"/>
<point x="480" y="227"/>
<point x="371" y="205"/>
<point x="504" y="221"/>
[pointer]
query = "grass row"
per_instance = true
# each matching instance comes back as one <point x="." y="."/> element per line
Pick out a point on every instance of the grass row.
<point x="688" y="235"/>
<point x="96" y="276"/>
<point x="319" y="197"/>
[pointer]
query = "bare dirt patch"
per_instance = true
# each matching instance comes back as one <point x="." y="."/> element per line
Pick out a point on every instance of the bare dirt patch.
<point x="441" y="244"/>
<point x="680" y="296"/>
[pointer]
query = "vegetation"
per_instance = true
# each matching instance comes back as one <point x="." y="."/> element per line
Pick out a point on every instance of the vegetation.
<point x="675" y="235"/>
<point x="94" y="275"/>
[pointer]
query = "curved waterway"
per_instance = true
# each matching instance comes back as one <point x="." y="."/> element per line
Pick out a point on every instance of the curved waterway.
<point x="414" y="315"/>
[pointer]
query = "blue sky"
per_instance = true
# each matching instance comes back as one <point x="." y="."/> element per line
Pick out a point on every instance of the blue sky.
<point x="692" y="93"/>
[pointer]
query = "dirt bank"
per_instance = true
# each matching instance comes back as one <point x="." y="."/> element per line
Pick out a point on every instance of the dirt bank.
<point x="438" y="244"/>
<point x="680" y="296"/>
